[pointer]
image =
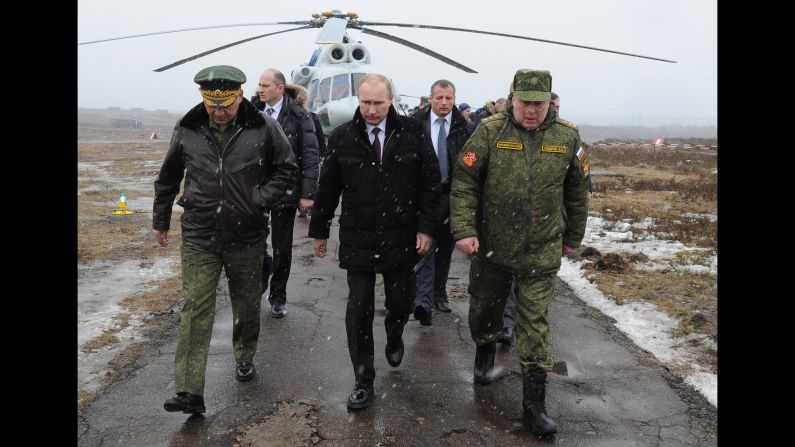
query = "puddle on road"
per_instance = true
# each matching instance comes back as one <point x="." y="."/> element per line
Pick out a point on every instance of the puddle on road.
<point x="101" y="286"/>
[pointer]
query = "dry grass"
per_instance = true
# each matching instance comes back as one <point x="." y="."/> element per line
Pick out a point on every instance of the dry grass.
<point x="691" y="298"/>
<point x="677" y="189"/>
<point x="679" y="161"/>
<point x="103" y="236"/>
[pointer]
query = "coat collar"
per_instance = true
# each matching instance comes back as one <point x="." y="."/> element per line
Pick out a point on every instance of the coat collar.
<point x="247" y="116"/>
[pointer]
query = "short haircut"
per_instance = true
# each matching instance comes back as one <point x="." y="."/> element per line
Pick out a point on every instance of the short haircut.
<point x="554" y="96"/>
<point x="501" y="100"/>
<point x="379" y="77"/>
<point x="443" y="83"/>
<point x="278" y="76"/>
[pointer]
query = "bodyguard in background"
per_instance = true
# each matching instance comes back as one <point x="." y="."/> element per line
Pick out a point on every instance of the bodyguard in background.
<point x="300" y="130"/>
<point x="236" y="164"/>
<point x="448" y="131"/>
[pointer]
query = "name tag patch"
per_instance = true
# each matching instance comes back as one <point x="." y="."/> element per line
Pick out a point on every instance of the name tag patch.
<point x="555" y="149"/>
<point x="512" y="145"/>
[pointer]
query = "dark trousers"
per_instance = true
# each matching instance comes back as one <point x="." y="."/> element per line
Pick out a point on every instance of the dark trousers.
<point x="434" y="268"/>
<point x="282" y="221"/>
<point x="399" y="289"/>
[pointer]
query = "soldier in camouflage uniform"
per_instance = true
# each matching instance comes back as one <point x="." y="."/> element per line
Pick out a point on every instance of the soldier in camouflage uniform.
<point x="519" y="200"/>
<point x="237" y="163"/>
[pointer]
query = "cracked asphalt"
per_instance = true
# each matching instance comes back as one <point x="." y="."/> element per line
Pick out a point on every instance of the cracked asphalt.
<point x="614" y="394"/>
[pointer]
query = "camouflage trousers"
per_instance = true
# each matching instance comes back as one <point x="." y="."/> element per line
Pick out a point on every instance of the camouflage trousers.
<point x="489" y="287"/>
<point x="201" y="271"/>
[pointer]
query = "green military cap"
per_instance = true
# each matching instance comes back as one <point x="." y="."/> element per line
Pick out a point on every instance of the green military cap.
<point x="223" y="77"/>
<point x="532" y="85"/>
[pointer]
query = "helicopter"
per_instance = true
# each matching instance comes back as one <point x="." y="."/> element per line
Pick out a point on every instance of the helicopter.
<point x="338" y="63"/>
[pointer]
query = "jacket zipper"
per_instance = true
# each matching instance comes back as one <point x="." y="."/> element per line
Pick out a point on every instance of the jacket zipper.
<point x="386" y="143"/>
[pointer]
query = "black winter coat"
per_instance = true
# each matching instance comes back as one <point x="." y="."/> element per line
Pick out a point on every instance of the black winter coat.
<point x="384" y="205"/>
<point x="227" y="197"/>
<point x="300" y="130"/>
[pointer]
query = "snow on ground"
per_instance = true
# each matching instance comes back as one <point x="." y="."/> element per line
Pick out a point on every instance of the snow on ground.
<point x="101" y="286"/>
<point x="643" y="323"/>
<point x="661" y="253"/>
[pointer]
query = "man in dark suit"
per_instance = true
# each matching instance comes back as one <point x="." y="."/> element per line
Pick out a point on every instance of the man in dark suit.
<point x="300" y="130"/>
<point x="384" y="166"/>
<point x="448" y="131"/>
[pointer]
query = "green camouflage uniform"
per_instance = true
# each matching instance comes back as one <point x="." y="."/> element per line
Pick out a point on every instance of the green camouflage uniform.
<point x="201" y="270"/>
<point x="524" y="194"/>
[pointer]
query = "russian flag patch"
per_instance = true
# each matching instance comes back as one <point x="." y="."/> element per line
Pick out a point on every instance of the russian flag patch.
<point x="580" y="153"/>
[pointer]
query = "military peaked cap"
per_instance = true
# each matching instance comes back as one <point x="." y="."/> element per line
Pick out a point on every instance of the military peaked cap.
<point x="224" y="77"/>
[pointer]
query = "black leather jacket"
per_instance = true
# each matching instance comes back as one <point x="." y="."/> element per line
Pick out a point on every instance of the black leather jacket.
<point x="228" y="191"/>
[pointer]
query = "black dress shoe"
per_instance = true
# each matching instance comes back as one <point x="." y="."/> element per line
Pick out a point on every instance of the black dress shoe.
<point x="424" y="316"/>
<point x="507" y="336"/>
<point x="443" y="307"/>
<point x="186" y="403"/>
<point x="245" y="371"/>
<point x="394" y="352"/>
<point x="278" y="310"/>
<point x="361" y="397"/>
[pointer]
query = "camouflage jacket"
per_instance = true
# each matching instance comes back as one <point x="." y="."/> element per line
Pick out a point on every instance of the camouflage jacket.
<point x="523" y="193"/>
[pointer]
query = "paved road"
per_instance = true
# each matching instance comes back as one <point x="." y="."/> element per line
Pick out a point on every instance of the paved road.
<point x="613" y="394"/>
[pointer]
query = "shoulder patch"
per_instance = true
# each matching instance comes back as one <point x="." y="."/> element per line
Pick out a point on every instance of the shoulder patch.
<point x="470" y="158"/>
<point x="490" y="118"/>
<point x="566" y="123"/>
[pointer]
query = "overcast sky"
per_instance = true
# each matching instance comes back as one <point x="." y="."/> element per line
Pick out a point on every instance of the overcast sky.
<point x="596" y="88"/>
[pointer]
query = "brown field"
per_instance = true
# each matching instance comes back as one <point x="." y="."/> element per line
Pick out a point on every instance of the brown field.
<point x="662" y="184"/>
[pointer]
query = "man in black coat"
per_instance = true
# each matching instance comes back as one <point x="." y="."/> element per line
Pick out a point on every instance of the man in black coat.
<point x="390" y="207"/>
<point x="448" y="131"/>
<point x="300" y="130"/>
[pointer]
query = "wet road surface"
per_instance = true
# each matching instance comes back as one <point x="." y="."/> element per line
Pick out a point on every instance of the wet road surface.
<point x="613" y="393"/>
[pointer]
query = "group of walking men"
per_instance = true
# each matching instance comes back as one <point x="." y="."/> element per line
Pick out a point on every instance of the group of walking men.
<point x="510" y="193"/>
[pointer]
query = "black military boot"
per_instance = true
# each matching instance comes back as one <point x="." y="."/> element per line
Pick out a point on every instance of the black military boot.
<point x="535" y="411"/>
<point x="484" y="363"/>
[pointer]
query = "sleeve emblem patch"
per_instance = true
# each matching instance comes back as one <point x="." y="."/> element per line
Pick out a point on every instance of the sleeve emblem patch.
<point x="470" y="158"/>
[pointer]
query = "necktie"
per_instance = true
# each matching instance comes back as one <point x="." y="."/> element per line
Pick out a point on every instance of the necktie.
<point x="441" y="148"/>
<point x="270" y="111"/>
<point x="376" y="144"/>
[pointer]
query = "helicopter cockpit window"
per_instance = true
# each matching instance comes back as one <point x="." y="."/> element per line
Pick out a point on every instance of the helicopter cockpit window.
<point x="314" y="94"/>
<point x="325" y="87"/>
<point x="339" y="87"/>
<point x="355" y="78"/>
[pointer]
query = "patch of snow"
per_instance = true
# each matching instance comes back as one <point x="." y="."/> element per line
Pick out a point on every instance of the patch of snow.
<point x="645" y="325"/>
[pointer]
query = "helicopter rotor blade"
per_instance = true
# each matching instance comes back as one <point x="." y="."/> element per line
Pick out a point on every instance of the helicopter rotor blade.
<point x="510" y="35"/>
<point x="182" y="61"/>
<point x="419" y="48"/>
<point x="302" y="22"/>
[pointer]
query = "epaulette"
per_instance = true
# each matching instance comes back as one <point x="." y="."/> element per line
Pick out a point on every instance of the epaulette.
<point x="491" y="118"/>
<point x="566" y="123"/>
